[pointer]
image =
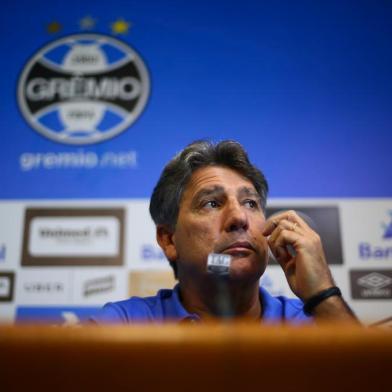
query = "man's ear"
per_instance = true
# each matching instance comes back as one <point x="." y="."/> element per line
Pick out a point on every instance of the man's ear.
<point x="165" y="241"/>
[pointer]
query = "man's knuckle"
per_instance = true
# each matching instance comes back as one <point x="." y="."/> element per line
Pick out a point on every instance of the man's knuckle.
<point x="316" y="238"/>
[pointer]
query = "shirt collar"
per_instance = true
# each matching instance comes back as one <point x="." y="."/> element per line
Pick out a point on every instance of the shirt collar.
<point x="175" y="310"/>
<point x="272" y="307"/>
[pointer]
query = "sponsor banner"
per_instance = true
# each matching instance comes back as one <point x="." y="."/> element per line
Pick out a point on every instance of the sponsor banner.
<point x="371" y="284"/>
<point x="59" y="315"/>
<point x="325" y="220"/>
<point x="143" y="250"/>
<point x="43" y="287"/>
<point x="7" y="286"/>
<point x="361" y="221"/>
<point x="145" y="283"/>
<point x="83" y="89"/>
<point x="382" y="248"/>
<point x="97" y="286"/>
<point x="368" y="240"/>
<point x="73" y="236"/>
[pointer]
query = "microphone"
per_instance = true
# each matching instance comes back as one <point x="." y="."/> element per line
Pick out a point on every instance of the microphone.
<point x="218" y="266"/>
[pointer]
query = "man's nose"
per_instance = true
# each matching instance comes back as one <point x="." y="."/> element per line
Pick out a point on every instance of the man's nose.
<point x="236" y="217"/>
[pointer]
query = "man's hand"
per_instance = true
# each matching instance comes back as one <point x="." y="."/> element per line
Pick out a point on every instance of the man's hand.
<point x="299" y="251"/>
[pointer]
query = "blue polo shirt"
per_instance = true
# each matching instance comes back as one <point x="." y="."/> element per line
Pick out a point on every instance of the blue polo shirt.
<point x="166" y="306"/>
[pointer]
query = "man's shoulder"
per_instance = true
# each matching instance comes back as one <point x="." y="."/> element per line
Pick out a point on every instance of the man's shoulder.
<point x="135" y="309"/>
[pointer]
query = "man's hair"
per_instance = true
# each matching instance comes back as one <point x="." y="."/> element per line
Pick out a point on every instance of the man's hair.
<point x="167" y="194"/>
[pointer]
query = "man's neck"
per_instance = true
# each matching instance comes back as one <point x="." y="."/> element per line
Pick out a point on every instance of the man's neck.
<point x="219" y="298"/>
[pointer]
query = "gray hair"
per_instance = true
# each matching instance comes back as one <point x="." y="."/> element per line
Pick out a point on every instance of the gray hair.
<point x="167" y="194"/>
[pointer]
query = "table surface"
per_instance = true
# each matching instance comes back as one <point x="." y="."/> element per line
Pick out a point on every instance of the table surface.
<point x="195" y="357"/>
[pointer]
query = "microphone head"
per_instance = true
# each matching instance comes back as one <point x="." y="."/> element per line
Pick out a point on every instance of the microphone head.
<point x="218" y="264"/>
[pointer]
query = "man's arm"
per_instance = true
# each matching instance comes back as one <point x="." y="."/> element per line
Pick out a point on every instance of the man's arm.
<point x="334" y="308"/>
<point x="298" y="250"/>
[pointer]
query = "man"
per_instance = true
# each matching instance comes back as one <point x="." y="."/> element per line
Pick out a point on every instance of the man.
<point x="211" y="199"/>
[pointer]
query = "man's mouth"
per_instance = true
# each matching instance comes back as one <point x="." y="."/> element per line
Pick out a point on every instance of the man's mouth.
<point x="239" y="247"/>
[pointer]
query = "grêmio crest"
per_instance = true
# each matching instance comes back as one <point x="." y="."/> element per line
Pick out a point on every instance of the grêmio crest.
<point x="83" y="89"/>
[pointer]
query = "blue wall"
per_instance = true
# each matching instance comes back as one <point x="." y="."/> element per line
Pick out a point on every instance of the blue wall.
<point x="306" y="86"/>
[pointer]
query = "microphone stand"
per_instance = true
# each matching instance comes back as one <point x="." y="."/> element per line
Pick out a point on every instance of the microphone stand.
<point x="218" y="266"/>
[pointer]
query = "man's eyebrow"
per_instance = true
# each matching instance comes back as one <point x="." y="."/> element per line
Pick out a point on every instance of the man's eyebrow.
<point x="246" y="191"/>
<point x="213" y="190"/>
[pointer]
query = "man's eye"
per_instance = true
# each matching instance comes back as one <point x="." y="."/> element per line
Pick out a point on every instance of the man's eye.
<point x="251" y="203"/>
<point x="211" y="204"/>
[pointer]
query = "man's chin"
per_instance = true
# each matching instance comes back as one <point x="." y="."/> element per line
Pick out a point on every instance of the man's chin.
<point x="244" y="269"/>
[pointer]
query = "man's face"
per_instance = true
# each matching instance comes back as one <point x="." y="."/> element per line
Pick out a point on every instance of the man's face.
<point x="220" y="212"/>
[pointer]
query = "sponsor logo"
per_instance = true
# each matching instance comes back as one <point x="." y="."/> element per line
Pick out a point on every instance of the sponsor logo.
<point x="367" y="284"/>
<point x="369" y="251"/>
<point x="99" y="285"/>
<point x="6" y="286"/>
<point x="3" y="252"/>
<point x="37" y="288"/>
<point x="79" y="159"/>
<point x="55" y="315"/>
<point x="150" y="252"/>
<point x="83" y="89"/>
<point x="43" y="287"/>
<point x="325" y="220"/>
<point x="55" y="237"/>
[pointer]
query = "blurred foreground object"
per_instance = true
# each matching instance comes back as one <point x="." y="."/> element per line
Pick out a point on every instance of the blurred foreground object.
<point x="195" y="357"/>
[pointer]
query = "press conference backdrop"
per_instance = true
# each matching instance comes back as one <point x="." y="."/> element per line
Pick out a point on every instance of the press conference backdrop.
<point x="97" y="97"/>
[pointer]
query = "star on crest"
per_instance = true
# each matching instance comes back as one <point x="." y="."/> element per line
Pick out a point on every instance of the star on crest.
<point x="53" y="27"/>
<point x="120" y="26"/>
<point x="87" y="23"/>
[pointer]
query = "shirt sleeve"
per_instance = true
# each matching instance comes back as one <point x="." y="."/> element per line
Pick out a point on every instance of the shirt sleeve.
<point x="109" y="314"/>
